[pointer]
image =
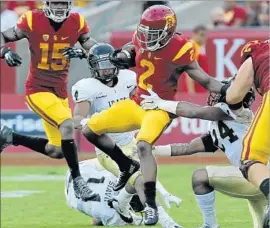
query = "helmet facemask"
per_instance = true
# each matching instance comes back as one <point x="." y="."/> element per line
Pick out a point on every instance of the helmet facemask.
<point x="102" y="69"/>
<point x="153" y="39"/>
<point x="57" y="11"/>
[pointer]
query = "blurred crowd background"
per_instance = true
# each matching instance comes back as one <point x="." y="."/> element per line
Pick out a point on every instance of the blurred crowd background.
<point x="106" y="17"/>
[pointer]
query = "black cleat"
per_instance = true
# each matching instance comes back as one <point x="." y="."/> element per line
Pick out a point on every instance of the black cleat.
<point x="82" y="191"/>
<point x="266" y="219"/>
<point x="150" y="216"/>
<point x="5" y="137"/>
<point x="125" y="175"/>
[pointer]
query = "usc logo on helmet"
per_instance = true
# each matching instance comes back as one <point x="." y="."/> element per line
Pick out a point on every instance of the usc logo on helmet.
<point x="170" y="20"/>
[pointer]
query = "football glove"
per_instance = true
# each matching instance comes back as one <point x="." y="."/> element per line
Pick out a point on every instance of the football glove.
<point x="12" y="58"/>
<point x="169" y="199"/>
<point x="72" y="52"/>
<point x="119" y="59"/>
<point x="152" y="101"/>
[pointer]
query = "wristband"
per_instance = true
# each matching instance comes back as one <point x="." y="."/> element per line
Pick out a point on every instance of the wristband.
<point x="168" y="106"/>
<point x="165" y="151"/>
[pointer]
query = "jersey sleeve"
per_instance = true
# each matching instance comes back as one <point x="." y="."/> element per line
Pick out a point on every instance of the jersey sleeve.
<point x="225" y="108"/>
<point x="131" y="81"/>
<point x="184" y="53"/>
<point x="25" y="22"/>
<point x="81" y="91"/>
<point x="248" y="49"/>
<point x="83" y="25"/>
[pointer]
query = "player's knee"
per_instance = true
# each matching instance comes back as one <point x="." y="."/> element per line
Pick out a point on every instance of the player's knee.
<point x="66" y="129"/>
<point x="54" y="152"/>
<point x="144" y="149"/>
<point x="200" y="182"/>
<point x="89" y="134"/>
<point x="245" y="165"/>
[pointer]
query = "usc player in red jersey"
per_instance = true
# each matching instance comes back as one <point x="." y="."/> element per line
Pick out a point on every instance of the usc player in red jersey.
<point x="50" y="32"/>
<point x="256" y="143"/>
<point x="160" y="55"/>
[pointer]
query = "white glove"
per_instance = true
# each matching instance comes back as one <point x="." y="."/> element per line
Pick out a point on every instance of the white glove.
<point x="168" y="199"/>
<point x="151" y="101"/>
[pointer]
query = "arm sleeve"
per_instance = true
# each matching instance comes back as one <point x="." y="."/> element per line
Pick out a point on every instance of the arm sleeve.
<point x="81" y="91"/>
<point x="83" y="25"/>
<point x="185" y="54"/>
<point x="25" y="22"/>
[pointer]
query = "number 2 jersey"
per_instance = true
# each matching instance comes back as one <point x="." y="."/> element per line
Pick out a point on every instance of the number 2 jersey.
<point x="159" y="70"/>
<point x="102" y="97"/>
<point x="49" y="68"/>
<point x="228" y="135"/>
<point x="101" y="182"/>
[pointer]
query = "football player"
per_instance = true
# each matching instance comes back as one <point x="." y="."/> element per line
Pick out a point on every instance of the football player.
<point x="99" y="92"/>
<point x="160" y="55"/>
<point x="226" y="131"/>
<point x="256" y="143"/>
<point x="49" y="32"/>
<point x="101" y="181"/>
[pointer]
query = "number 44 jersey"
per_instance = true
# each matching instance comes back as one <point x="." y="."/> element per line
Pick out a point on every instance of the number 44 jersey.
<point x="49" y="68"/>
<point x="228" y="135"/>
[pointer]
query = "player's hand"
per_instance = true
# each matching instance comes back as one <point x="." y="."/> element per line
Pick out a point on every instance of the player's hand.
<point x="118" y="59"/>
<point x="12" y="58"/>
<point x="169" y="199"/>
<point x="152" y="101"/>
<point x="72" y="52"/>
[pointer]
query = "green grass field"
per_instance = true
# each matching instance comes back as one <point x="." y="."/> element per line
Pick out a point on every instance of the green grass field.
<point x="47" y="208"/>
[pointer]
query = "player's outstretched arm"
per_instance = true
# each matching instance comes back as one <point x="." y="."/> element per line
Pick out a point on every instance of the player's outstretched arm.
<point x="197" y="145"/>
<point x="183" y="109"/>
<point x="241" y="83"/>
<point x="197" y="74"/>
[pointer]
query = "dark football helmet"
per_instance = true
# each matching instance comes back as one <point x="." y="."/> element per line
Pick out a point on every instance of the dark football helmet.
<point x="99" y="62"/>
<point x="217" y="98"/>
<point x="57" y="11"/>
<point x="157" y="27"/>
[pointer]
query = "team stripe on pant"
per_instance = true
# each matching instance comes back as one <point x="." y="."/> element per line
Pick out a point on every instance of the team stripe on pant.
<point x="248" y="137"/>
<point x="42" y="114"/>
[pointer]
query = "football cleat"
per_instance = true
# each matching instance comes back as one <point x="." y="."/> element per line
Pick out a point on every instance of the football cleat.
<point x="82" y="191"/>
<point x="5" y="137"/>
<point x="124" y="213"/>
<point x="266" y="219"/>
<point x="150" y="216"/>
<point x="125" y="175"/>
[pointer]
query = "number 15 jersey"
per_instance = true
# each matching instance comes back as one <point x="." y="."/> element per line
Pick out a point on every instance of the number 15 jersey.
<point x="49" y="68"/>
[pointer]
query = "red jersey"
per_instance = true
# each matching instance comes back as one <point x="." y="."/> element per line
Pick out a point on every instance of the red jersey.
<point x="49" y="68"/>
<point x="157" y="70"/>
<point x="259" y="52"/>
<point x="235" y="14"/>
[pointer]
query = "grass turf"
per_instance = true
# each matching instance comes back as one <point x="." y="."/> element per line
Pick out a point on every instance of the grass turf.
<point x="48" y="209"/>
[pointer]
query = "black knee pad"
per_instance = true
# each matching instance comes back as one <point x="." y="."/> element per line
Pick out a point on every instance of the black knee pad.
<point x="245" y="167"/>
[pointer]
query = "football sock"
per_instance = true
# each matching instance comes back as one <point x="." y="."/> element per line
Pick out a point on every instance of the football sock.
<point x="70" y="152"/>
<point x="150" y="193"/>
<point x="206" y="203"/>
<point x="264" y="187"/>
<point x="124" y="199"/>
<point x="119" y="157"/>
<point x="34" y="143"/>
